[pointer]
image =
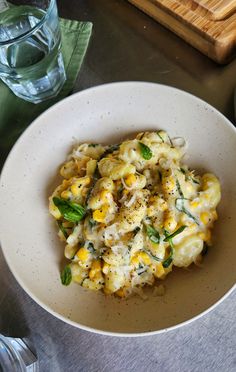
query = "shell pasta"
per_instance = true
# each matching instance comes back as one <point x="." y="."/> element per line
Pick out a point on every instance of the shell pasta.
<point x="128" y="213"/>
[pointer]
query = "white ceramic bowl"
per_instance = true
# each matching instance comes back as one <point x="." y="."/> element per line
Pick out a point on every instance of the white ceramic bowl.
<point x="108" y="114"/>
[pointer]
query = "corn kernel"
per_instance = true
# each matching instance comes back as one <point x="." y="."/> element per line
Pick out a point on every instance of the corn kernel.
<point x="194" y="204"/>
<point x="135" y="261"/>
<point x="158" y="270"/>
<point x="162" y="205"/>
<point x="78" y="184"/>
<point x="204" y="217"/>
<point x="130" y="180"/>
<point x="98" y="278"/>
<point x="106" y="290"/>
<point x="105" y="268"/>
<point x="168" y="184"/>
<point x="192" y="227"/>
<point x="99" y="215"/>
<point x="90" y="167"/>
<point x="83" y="254"/>
<point x="66" y="194"/>
<point x="92" y="274"/>
<point x="86" y="181"/>
<point x="103" y="195"/>
<point x="96" y="265"/>
<point x="75" y="189"/>
<point x="169" y="221"/>
<point x="125" y="192"/>
<point x="141" y="257"/>
<point x="205" y="236"/>
<point x="144" y="258"/>
<point x="120" y="292"/>
<point x="214" y="215"/>
<point x="152" y="199"/>
<point x="66" y="183"/>
<point x="109" y="242"/>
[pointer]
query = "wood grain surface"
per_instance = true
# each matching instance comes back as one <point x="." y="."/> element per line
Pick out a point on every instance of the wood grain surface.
<point x="191" y="21"/>
<point x="218" y="9"/>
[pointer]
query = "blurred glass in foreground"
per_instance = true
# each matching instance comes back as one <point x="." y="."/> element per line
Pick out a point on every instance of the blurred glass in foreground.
<point x="15" y="356"/>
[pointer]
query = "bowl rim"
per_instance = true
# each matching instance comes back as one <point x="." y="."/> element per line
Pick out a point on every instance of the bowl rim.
<point x="32" y="127"/>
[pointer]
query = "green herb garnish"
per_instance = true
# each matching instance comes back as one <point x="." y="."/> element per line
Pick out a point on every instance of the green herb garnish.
<point x="93" y="145"/>
<point x="66" y="275"/>
<point x="195" y="181"/>
<point x="179" y="204"/>
<point x="62" y="228"/>
<point x="146" y="152"/>
<point x="110" y="150"/>
<point x="71" y="211"/>
<point x="178" y="231"/>
<point x="92" y="222"/>
<point x="169" y="259"/>
<point x="152" y="255"/>
<point x="153" y="234"/>
<point x="179" y="188"/>
<point x="188" y="177"/>
<point x="158" y="133"/>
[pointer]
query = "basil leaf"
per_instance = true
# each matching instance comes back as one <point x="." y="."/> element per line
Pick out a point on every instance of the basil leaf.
<point x="153" y="234"/>
<point x="158" y="133"/>
<point x="146" y="152"/>
<point x="66" y="275"/>
<point x="169" y="259"/>
<point x="72" y="212"/>
<point x="178" y="231"/>
<point x="179" y="205"/>
<point x="63" y="230"/>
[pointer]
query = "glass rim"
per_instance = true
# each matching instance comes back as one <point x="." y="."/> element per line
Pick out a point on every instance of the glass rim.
<point x="32" y="30"/>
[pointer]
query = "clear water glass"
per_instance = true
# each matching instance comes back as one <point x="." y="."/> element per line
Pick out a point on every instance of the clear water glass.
<point x="31" y="62"/>
<point x="15" y="356"/>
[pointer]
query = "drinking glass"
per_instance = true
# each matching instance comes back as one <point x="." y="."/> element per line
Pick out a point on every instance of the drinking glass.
<point x="15" y="356"/>
<point x="31" y="62"/>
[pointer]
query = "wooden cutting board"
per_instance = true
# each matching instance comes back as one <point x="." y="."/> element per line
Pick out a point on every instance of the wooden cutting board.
<point x="208" y="25"/>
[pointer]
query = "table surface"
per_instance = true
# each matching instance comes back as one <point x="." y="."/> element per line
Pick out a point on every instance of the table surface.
<point x="128" y="45"/>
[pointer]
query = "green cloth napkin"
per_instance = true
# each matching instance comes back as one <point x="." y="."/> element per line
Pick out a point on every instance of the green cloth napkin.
<point x="15" y="113"/>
